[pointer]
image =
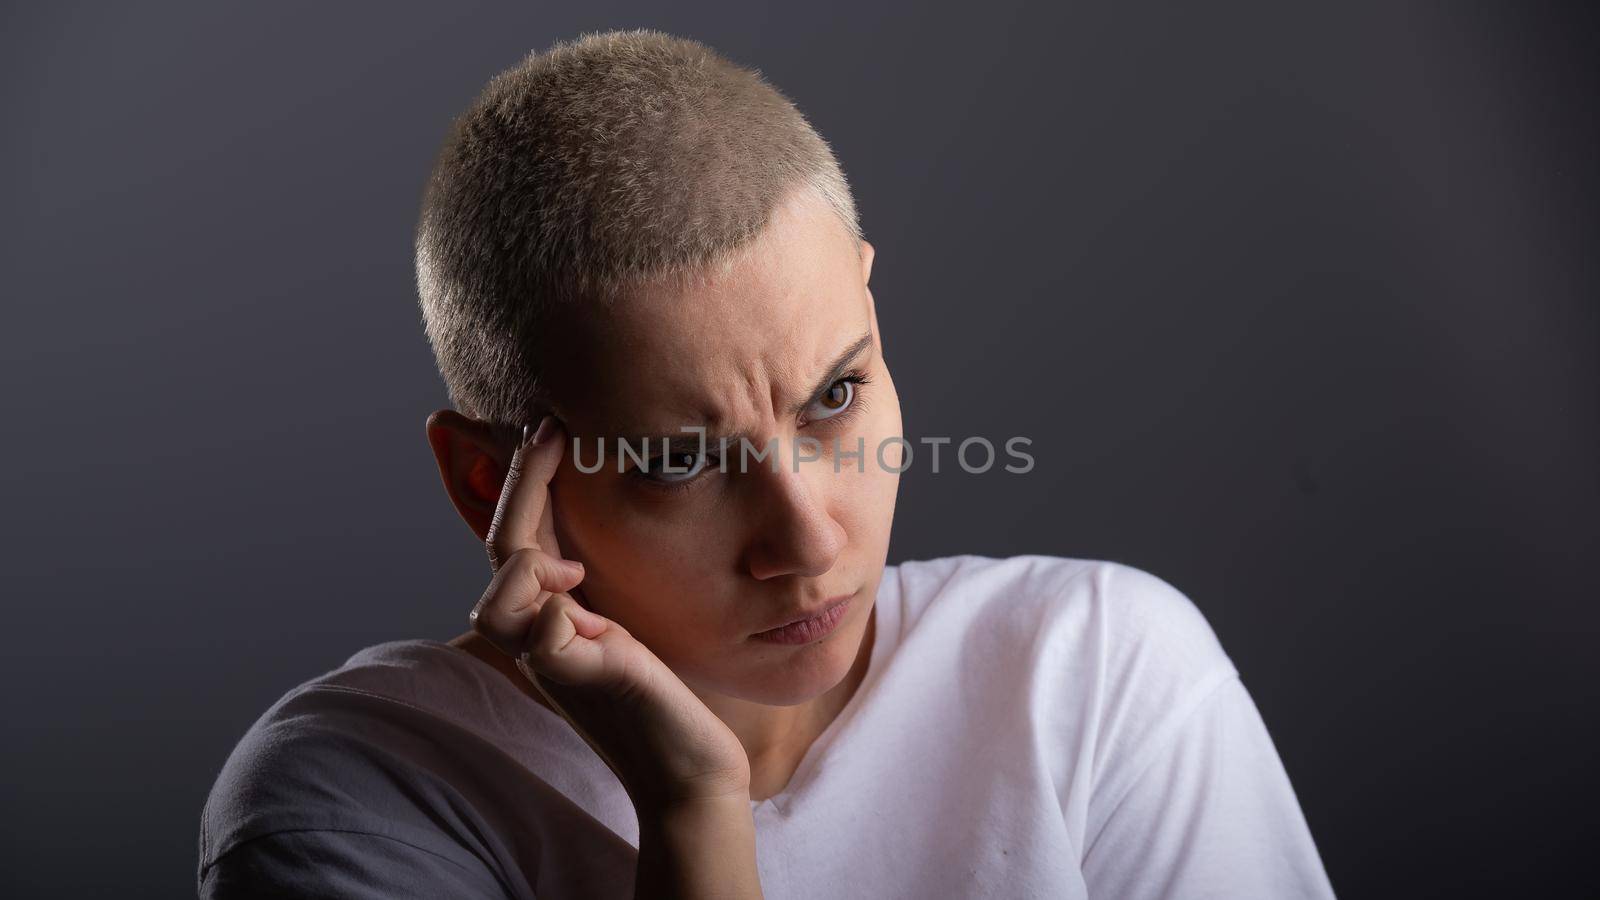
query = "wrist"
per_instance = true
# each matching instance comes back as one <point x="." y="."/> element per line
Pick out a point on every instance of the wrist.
<point x="703" y="795"/>
<point x="690" y="809"/>
<point x="699" y="847"/>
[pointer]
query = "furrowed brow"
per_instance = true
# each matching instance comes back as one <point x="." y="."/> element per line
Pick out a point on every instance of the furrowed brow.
<point x="844" y="361"/>
<point x="689" y="441"/>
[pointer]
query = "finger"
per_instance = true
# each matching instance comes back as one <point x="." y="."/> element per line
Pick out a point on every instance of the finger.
<point x="525" y="495"/>
<point x="563" y="646"/>
<point x="544" y="535"/>
<point x="511" y="602"/>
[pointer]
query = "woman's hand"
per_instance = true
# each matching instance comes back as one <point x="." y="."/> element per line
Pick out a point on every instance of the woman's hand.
<point x="670" y="752"/>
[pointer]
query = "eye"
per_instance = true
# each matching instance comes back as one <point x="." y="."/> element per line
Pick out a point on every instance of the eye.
<point x="686" y="466"/>
<point x="838" y="398"/>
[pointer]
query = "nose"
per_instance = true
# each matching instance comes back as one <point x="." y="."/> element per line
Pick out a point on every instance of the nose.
<point x="795" y="534"/>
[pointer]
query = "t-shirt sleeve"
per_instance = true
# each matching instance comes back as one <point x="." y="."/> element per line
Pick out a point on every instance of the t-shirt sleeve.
<point x="351" y="864"/>
<point x="1211" y="814"/>
<point x="338" y="792"/>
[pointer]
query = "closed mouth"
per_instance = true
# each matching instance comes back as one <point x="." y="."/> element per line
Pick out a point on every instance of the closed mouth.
<point x="810" y="626"/>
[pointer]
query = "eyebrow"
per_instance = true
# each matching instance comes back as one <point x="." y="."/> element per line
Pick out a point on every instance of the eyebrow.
<point x="686" y="441"/>
<point x="840" y="363"/>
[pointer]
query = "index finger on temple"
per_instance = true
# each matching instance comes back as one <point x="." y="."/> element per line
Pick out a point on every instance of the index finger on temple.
<point x="526" y="492"/>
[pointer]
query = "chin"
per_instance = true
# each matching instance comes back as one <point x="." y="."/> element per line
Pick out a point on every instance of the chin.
<point x="787" y="676"/>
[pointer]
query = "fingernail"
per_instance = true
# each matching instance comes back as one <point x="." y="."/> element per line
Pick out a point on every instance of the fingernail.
<point x="546" y="425"/>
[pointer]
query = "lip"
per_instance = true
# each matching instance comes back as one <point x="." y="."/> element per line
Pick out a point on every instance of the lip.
<point x="809" y="626"/>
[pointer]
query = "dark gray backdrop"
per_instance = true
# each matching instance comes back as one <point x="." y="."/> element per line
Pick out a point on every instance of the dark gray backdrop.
<point x="1297" y="303"/>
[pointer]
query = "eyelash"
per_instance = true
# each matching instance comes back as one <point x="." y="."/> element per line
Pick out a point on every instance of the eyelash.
<point x="856" y="377"/>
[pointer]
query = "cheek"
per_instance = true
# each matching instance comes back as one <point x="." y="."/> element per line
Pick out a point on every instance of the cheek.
<point x="643" y="570"/>
<point x="868" y="496"/>
<point x="864" y="504"/>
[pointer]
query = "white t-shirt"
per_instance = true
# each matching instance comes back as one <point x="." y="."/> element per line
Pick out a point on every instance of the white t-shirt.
<point x="1034" y="726"/>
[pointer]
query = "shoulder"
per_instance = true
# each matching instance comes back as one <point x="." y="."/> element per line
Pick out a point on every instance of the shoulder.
<point x="353" y="755"/>
<point x="1105" y="654"/>
<point x="1123" y="614"/>
<point x="1099" y="665"/>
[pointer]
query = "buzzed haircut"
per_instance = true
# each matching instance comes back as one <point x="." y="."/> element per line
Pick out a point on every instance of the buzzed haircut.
<point x="604" y="163"/>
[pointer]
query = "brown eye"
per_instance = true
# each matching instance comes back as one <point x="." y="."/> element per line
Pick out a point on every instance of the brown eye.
<point x="838" y="396"/>
<point x="836" y="399"/>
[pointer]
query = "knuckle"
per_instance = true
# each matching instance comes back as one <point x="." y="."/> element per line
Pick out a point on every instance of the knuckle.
<point x="525" y="564"/>
<point x="545" y="633"/>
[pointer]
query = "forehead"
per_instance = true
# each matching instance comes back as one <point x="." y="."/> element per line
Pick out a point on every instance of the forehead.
<point x="728" y="345"/>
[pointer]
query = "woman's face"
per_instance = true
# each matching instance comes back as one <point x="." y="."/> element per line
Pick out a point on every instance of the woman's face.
<point x="695" y="565"/>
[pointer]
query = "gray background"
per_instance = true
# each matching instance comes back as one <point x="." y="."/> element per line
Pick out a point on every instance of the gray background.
<point x="1297" y="303"/>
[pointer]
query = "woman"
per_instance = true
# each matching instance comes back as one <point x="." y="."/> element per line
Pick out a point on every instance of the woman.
<point x="692" y="672"/>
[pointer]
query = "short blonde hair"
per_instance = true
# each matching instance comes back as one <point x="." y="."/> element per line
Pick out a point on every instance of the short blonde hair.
<point x="604" y="163"/>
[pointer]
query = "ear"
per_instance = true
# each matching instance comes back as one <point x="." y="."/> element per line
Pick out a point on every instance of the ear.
<point x="473" y="460"/>
<point x="867" y="253"/>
